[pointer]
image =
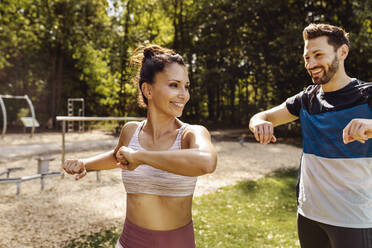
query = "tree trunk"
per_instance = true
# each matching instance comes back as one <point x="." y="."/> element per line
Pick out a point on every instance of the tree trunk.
<point x="124" y="59"/>
<point x="175" y="25"/>
<point x="232" y="100"/>
<point x="55" y="79"/>
<point x="53" y="83"/>
<point x="211" y="101"/>
<point x="59" y="83"/>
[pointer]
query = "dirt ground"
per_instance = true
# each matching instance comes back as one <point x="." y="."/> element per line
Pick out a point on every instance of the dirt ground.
<point x="67" y="208"/>
<point x="52" y="137"/>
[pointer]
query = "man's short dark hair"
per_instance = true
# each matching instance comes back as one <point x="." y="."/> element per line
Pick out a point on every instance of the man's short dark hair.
<point x="336" y="36"/>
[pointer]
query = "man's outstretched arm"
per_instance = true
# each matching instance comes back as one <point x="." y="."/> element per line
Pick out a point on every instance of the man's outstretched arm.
<point x="262" y="124"/>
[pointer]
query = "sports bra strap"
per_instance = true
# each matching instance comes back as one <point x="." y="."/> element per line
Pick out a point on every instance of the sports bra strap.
<point x="182" y="129"/>
<point x="139" y="127"/>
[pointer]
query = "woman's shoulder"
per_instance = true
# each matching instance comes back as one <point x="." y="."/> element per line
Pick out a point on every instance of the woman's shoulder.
<point x="195" y="135"/>
<point x="194" y="129"/>
<point x="131" y="125"/>
<point x="127" y="131"/>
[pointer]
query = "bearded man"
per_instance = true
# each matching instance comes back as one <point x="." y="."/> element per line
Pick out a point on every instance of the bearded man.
<point x="334" y="189"/>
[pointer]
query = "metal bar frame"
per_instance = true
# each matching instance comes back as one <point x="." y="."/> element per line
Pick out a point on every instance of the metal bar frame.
<point x="91" y="118"/>
<point x="7" y="171"/>
<point x="81" y="123"/>
<point x="4" y="116"/>
<point x="19" y="180"/>
<point x="32" y="114"/>
<point x="25" y="97"/>
<point x="87" y="118"/>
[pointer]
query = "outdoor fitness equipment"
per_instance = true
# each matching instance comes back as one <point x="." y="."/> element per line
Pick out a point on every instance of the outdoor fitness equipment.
<point x="42" y="172"/>
<point x="27" y="121"/>
<point x="82" y="119"/>
<point x="70" y="112"/>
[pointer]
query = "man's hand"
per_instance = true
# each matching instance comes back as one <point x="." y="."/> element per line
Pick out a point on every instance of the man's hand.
<point x="75" y="166"/>
<point x="125" y="157"/>
<point x="263" y="131"/>
<point x="357" y="129"/>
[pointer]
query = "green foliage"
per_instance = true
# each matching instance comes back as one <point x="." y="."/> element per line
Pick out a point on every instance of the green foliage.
<point x="240" y="47"/>
<point x="242" y="56"/>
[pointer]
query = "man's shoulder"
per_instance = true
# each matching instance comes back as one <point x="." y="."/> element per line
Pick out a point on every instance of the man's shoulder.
<point x="313" y="88"/>
<point x="361" y="84"/>
<point x="366" y="91"/>
<point x="308" y="91"/>
<point x="365" y="88"/>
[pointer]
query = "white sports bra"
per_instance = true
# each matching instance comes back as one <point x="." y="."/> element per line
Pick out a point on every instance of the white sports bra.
<point x="149" y="180"/>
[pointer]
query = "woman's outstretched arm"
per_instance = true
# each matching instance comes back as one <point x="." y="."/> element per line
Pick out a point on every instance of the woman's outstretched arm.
<point x="104" y="161"/>
<point x="199" y="156"/>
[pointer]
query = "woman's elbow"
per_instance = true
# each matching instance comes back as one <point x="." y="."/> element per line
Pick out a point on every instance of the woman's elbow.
<point x="209" y="165"/>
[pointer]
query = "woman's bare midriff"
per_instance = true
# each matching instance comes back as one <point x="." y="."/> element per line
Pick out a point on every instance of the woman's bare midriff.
<point x="156" y="212"/>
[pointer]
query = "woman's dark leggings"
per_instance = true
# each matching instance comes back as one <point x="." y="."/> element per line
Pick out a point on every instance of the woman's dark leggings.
<point x="313" y="234"/>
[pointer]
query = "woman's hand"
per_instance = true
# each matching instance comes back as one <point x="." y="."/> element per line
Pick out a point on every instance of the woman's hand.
<point x="75" y="166"/>
<point x="126" y="158"/>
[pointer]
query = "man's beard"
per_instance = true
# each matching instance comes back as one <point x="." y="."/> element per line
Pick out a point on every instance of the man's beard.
<point x="328" y="75"/>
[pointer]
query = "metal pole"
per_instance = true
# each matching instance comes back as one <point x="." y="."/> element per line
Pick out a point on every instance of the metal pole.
<point x="80" y="122"/>
<point x="32" y="114"/>
<point x="18" y="187"/>
<point x="83" y="107"/>
<point x="42" y="182"/>
<point x="98" y="176"/>
<point x="4" y="116"/>
<point x="63" y="145"/>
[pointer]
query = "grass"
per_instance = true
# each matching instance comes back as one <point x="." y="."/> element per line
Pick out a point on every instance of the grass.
<point x="102" y="239"/>
<point x="258" y="213"/>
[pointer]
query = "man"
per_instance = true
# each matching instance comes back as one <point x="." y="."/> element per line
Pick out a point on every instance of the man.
<point x="335" y="179"/>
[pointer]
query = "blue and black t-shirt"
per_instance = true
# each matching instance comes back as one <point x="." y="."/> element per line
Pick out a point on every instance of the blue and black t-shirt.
<point x="336" y="179"/>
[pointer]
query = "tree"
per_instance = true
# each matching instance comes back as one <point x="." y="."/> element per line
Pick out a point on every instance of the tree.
<point x="242" y="56"/>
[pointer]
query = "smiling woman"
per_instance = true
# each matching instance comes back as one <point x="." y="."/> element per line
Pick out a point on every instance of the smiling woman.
<point x="154" y="62"/>
<point x="160" y="157"/>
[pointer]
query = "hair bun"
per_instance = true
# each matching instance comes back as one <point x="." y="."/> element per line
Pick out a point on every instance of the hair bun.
<point x="148" y="53"/>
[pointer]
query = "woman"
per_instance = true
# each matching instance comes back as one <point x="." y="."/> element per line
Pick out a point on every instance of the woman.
<point x="160" y="157"/>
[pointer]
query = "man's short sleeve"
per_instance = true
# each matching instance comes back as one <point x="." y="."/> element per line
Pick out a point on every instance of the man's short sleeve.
<point x="294" y="104"/>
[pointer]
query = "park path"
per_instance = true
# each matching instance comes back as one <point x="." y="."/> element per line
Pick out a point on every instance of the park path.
<point x="20" y="146"/>
<point x="18" y="152"/>
<point x="68" y="208"/>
